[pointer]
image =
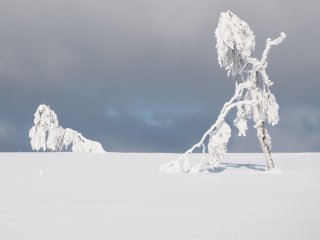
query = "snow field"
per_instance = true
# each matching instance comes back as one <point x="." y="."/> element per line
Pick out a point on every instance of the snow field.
<point x="124" y="196"/>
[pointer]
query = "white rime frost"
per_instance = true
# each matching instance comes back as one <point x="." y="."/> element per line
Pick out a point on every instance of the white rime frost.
<point x="47" y="134"/>
<point x="252" y="96"/>
<point x="235" y="42"/>
<point x="217" y="146"/>
<point x="241" y="122"/>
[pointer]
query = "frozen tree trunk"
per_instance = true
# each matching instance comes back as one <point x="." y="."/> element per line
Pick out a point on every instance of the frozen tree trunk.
<point x="266" y="148"/>
<point x="263" y="136"/>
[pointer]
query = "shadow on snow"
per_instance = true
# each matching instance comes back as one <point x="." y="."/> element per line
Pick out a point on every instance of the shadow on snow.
<point x="223" y="166"/>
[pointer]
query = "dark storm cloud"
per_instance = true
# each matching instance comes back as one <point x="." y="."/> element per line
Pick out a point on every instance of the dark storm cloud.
<point x="143" y="76"/>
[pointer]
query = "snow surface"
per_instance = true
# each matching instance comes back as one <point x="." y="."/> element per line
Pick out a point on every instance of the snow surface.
<point x="124" y="196"/>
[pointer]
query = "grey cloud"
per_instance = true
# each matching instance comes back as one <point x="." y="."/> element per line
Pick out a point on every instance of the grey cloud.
<point x="142" y="75"/>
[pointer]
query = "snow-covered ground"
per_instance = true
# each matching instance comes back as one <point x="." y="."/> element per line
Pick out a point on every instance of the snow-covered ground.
<point x="46" y="196"/>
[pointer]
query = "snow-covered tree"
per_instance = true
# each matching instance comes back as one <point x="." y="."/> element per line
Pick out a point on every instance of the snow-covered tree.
<point x="252" y="97"/>
<point x="47" y="134"/>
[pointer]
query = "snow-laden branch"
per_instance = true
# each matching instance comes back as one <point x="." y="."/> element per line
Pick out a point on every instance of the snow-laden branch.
<point x="47" y="134"/>
<point x="223" y="113"/>
<point x="220" y="120"/>
<point x="270" y="43"/>
<point x="174" y="166"/>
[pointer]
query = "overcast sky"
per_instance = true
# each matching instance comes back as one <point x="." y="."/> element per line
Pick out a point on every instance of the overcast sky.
<point x="143" y="76"/>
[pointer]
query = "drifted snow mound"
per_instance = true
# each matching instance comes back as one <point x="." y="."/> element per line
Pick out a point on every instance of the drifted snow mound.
<point x="47" y="134"/>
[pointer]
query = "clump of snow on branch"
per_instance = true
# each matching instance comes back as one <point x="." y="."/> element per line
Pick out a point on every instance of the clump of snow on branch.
<point x="271" y="108"/>
<point x="235" y="42"/>
<point x="241" y="122"/>
<point x="47" y="134"/>
<point x="217" y="146"/>
<point x="252" y="96"/>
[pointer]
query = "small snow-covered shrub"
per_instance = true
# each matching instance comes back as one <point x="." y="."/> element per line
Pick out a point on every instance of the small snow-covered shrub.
<point x="47" y="134"/>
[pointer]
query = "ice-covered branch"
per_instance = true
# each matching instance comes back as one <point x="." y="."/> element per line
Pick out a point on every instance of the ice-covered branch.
<point x="223" y="113"/>
<point x="220" y="120"/>
<point x="177" y="166"/>
<point x="47" y="134"/>
<point x="270" y="43"/>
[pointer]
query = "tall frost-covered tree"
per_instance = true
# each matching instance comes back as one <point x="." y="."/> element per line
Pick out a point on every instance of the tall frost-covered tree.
<point x="47" y="134"/>
<point x="252" y="98"/>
